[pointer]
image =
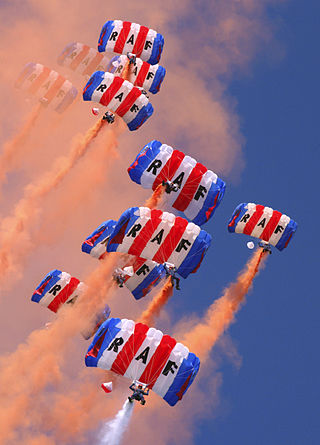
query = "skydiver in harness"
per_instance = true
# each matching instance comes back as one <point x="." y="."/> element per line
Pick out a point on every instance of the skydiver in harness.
<point x="171" y="272"/>
<point x="170" y="186"/>
<point x="132" y="57"/>
<point x="119" y="276"/>
<point x="109" y="117"/>
<point x="138" y="393"/>
<point x="265" y="246"/>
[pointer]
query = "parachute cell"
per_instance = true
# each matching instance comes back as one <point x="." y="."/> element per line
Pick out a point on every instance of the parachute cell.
<point x="198" y="191"/>
<point x="141" y="74"/>
<point x="122" y="37"/>
<point x="138" y="352"/>
<point x="264" y="223"/>
<point x="161" y="237"/>
<point x="83" y="59"/>
<point x="47" y="85"/>
<point x="57" y="288"/>
<point x="119" y="96"/>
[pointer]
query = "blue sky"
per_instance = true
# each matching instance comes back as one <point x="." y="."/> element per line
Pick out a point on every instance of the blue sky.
<point x="273" y="398"/>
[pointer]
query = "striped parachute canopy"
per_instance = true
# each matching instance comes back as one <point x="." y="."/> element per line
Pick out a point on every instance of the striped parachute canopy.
<point x="47" y="85"/>
<point x="119" y="96"/>
<point x="161" y="237"/>
<point x="122" y="37"/>
<point x="58" y="288"/>
<point x="141" y="74"/>
<point x="145" y="354"/>
<point x="83" y="59"/>
<point x="146" y="274"/>
<point x="264" y="223"/>
<point x="199" y="192"/>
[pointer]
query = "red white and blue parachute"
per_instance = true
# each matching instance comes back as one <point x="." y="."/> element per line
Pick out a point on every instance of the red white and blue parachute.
<point x="58" y="288"/>
<point x="161" y="237"/>
<point x="146" y="274"/>
<point x="138" y="352"/>
<point x="83" y="59"/>
<point x="119" y="96"/>
<point x="264" y="223"/>
<point x="141" y="74"/>
<point x="122" y="37"/>
<point x="200" y="191"/>
<point x="47" y="85"/>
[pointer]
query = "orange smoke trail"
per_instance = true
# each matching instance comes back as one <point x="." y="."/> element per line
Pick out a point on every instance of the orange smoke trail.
<point x="126" y="72"/>
<point x="221" y="313"/>
<point x="12" y="147"/>
<point x="154" y="199"/>
<point x="157" y="304"/>
<point x="45" y="350"/>
<point x="17" y="231"/>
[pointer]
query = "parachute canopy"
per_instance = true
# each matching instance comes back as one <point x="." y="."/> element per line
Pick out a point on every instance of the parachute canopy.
<point x="119" y="96"/>
<point x="199" y="190"/>
<point x="161" y="237"/>
<point x="122" y="37"/>
<point x="47" y="85"/>
<point x="58" y="288"/>
<point x="83" y="59"/>
<point x="146" y="274"/>
<point x="263" y="222"/>
<point x="141" y="74"/>
<point x="145" y="354"/>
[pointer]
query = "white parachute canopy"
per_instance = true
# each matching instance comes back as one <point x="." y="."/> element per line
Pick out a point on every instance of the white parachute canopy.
<point x="250" y="245"/>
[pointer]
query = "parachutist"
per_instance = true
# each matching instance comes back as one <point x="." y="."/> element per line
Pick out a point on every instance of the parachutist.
<point x="265" y="247"/>
<point x="132" y="58"/>
<point x="138" y="393"/>
<point x="119" y="276"/>
<point x="170" y="186"/>
<point x="171" y="272"/>
<point x="109" y="117"/>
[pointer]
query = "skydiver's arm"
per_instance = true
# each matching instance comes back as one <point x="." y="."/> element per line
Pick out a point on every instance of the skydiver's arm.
<point x="132" y="387"/>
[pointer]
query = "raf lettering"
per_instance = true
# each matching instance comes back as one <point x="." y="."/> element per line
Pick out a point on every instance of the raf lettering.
<point x="55" y="289"/>
<point x="200" y="193"/>
<point x="154" y="166"/>
<point x="245" y="218"/>
<point x="115" y="344"/>
<point x="184" y="244"/>
<point x="102" y="87"/>
<point x="170" y="367"/>
<point x="144" y="269"/>
<point x="144" y="355"/>
<point x="113" y="36"/>
<point x="134" y="230"/>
